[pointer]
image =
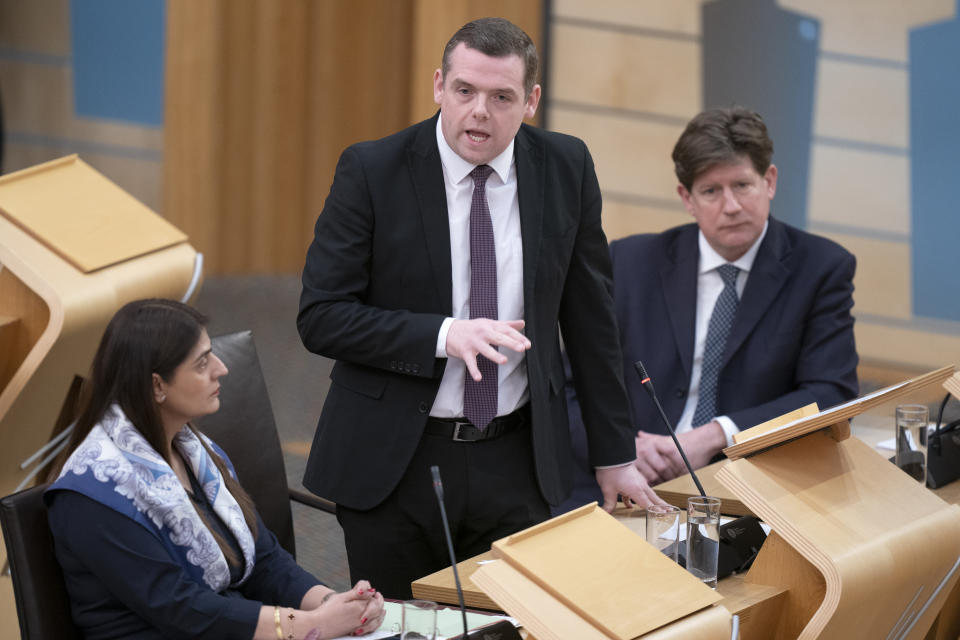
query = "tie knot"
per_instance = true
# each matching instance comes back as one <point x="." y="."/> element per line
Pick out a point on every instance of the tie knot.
<point x="728" y="273"/>
<point x="480" y="174"/>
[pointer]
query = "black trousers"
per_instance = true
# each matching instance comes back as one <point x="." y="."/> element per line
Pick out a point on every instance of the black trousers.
<point x="490" y="491"/>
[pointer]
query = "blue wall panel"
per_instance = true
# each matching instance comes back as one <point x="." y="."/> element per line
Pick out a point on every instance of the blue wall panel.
<point x="935" y="169"/>
<point x="761" y="56"/>
<point x="118" y="59"/>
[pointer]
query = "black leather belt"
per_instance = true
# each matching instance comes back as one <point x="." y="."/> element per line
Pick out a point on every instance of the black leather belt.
<point x="461" y="430"/>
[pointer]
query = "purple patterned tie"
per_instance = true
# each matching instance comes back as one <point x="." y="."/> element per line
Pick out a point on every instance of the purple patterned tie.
<point x="480" y="398"/>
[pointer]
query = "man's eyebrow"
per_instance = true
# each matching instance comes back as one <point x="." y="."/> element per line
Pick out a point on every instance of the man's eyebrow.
<point x="464" y="83"/>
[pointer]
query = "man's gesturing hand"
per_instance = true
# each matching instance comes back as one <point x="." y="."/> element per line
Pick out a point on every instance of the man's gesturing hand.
<point x="466" y="339"/>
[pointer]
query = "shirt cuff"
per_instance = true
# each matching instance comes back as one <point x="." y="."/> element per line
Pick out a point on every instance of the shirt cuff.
<point x="729" y="428"/>
<point x="441" y="351"/>
<point x="614" y="466"/>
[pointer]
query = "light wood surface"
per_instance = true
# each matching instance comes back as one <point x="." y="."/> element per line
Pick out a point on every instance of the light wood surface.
<point x="804" y="587"/>
<point x="677" y="490"/>
<point x="105" y="225"/>
<point x="756" y="604"/>
<point x="863" y="525"/>
<point x="775" y="599"/>
<point x="548" y="618"/>
<point x="608" y="582"/>
<point x="539" y="611"/>
<point x="836" y="418"/>
<point x="261" y="99"/>
<point x="952" y="384"/>
<point x="626" y="70"/>
<point x="803" y="412"/>
<point x="441" y="587"/>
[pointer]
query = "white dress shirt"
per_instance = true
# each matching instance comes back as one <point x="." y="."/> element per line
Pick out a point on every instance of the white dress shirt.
<point x="504" y="207"/>
<point x="709" y="286"/>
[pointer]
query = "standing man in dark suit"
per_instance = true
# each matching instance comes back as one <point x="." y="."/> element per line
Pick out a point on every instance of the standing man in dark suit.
<point x="738" y="318"/>
<point x="446" y="260"/>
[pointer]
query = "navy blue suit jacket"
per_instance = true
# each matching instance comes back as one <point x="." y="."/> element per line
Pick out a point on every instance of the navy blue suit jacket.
<point x="791" y="342"/>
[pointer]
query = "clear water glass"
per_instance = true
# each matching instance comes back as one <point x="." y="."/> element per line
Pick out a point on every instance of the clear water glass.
<point x="911" y="426"/>
<point x="419" y="620"/>
<point x="703" y="538"/>
<point x="663" y="529"/>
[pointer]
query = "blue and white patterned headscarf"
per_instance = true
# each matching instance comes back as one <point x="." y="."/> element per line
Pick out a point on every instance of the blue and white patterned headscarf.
<point x="117" y="467"/>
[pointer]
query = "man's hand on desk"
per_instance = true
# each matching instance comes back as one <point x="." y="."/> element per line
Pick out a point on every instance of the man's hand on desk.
<point x="628" y="483"/>
<point x="658" y="459"/>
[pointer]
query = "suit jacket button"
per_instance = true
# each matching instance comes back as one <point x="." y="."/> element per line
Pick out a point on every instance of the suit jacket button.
<point x="424" y="407"/>
<point x="680" y="392"/>
<point x="416" y="368"/>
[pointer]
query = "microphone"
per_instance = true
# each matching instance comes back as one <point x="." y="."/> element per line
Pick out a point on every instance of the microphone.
<point x="740" y="540"/>
<point x="438" y="489"/>
<point x="502" y="629"/>
<point x="647" y="384"/>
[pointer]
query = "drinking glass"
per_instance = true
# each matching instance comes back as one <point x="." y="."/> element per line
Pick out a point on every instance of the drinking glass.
<point x="663" y="528"/>
<point x="419" y="620"/>
<point x="703" y="538"/>
<point x="911" y="421"/>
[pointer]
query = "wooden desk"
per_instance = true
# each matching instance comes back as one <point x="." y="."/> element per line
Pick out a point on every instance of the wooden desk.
<point x="754" y="603"/>
<point x="757" y="605"/>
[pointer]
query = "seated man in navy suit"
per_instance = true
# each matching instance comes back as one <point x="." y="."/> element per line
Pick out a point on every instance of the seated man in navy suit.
<point x="738" y="318"/>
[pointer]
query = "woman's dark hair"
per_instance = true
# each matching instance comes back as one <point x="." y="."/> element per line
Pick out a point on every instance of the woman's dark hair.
<point x="721" y="136"/>
<point x="146" y="337"/>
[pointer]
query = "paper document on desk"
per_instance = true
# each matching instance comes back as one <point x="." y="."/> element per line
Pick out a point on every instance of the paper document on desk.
<point x="449" y="622"/>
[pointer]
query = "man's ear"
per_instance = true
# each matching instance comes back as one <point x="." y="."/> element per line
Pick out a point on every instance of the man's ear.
<point x="437" y="85"/>
<point x="530" y="108"/>
<point x="770" y="177"/>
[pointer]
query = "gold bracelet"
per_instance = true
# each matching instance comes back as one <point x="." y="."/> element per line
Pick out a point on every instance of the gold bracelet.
<point x="276" y="621"/>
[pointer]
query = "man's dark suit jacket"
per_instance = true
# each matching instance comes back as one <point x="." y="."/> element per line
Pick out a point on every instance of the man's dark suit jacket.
<point x="377" y="286"/>
<point x="791" y="342"/>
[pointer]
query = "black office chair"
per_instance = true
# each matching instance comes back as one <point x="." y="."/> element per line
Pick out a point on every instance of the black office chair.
<point x="43" y="606"/>
<point x="245" y="428"/>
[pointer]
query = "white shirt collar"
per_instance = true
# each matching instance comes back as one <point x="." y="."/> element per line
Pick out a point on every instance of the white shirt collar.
<point x="457" y="168"/>
<point x="710" y="259"/>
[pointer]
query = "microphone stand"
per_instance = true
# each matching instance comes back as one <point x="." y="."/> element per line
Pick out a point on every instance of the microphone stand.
<point x="503" y="630"/>
<point x="647" y="384"/>
<point x="438" y="489"/>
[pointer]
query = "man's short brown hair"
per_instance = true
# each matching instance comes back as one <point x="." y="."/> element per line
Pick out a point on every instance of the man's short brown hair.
<point x="498" y="38"/>
<point x="721" y="136"/>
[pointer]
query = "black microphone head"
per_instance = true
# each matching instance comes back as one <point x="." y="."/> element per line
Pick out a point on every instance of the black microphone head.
<point x="645" y="380"/>
<point x="641" y="370"/>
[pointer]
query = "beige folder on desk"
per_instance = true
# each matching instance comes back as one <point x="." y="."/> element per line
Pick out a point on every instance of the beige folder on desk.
<point x="585" y="575"/>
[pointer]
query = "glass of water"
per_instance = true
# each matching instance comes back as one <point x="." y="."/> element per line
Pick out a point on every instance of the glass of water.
<point x="663" y="528"/>
<point x="419" y="620"/>
<point x="912" y="420"/>
<point x="703" y="538"/>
